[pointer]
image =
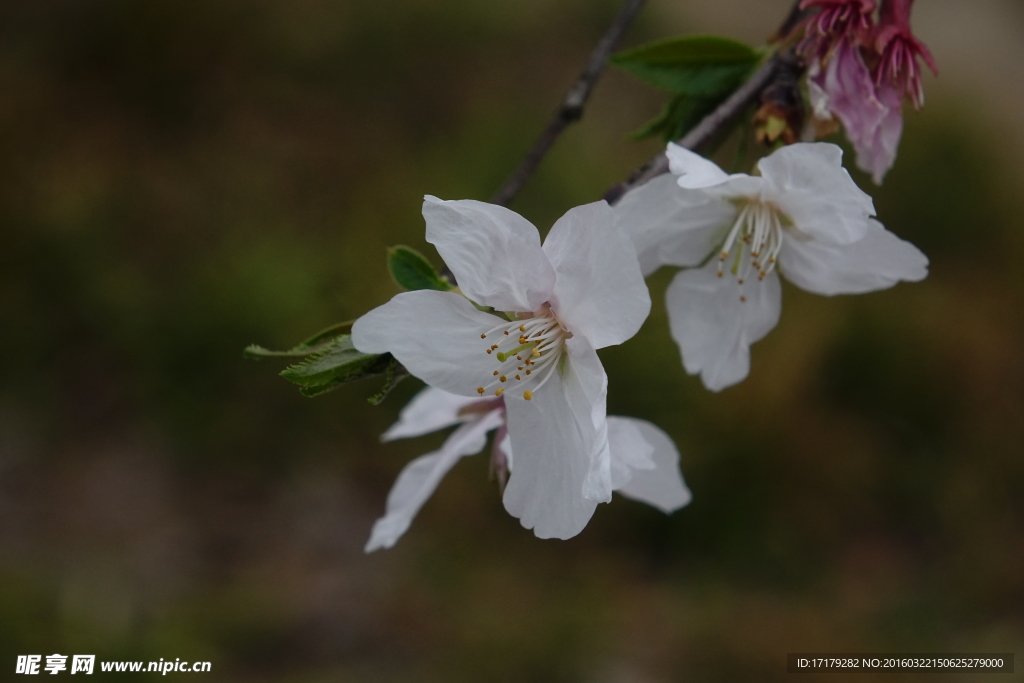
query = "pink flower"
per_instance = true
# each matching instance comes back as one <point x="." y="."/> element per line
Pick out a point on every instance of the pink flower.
<point x="870" y="112"/>
<point x="899" y="51"/>
<point x="838" y="20"/>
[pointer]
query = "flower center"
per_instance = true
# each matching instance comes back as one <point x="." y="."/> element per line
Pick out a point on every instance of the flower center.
<point x="526" y="353"/>
<point x="753" y="242"/>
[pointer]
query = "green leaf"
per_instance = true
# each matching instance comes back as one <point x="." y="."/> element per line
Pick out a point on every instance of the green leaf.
<point x="317" y="342"/>
<point x="396" y="372"/>
<point x="412" y="271"/>
<point x="688" y="50"/>
<point x="692" y="65"/>
<point x="682" y="113"/>
<point x="702" y="80"/>
<point x="335" y="365"/>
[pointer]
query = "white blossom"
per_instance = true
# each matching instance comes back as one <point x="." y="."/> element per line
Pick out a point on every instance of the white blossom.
<point x="560" y="302"/>
<point x="644" y="461"/>
<point x="803" y="215"/>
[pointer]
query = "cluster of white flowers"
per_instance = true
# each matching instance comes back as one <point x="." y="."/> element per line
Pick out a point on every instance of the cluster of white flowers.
<point x="528" y="367"/>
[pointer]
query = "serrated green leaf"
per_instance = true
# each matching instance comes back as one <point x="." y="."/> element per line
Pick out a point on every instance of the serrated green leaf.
<point x="700" y="66"/>
<point x="682" y="113"/>
<point x="337" y="364"/>
<point x="317" y="342"/>
<point x="396" y="372"/>
<point x="688" y="51"/>
<point x="413" y="272"/>
<point x="698" y="81"/>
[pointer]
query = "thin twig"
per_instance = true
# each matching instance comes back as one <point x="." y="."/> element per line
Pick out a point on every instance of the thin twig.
<point x="716" y="121"/>
<point x="571" y="109"/>
<point x="704" y="131"/>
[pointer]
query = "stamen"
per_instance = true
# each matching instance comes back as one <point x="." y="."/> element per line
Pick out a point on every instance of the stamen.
<point x="528" y="394"/>
<point x="754" y="242"/>
<point x="480" y="390"/>
<point x="541" y="343"/>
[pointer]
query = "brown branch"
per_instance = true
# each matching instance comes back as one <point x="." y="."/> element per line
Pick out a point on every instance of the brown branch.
<point x="722" y="116"/>
<point x="571" y="109"/>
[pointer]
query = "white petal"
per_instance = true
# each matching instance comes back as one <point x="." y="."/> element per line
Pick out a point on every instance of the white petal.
<point x="878" y="261"/>
<point x="693" y="170"/>
<point x="808" y="182"/>
<point x="586" y="384"/>
<point x="599" y="292"/>
<point x="435" y="335"/>
<point x="494" y="253"/>
<point x="672" y="226"/>
<point x="714" y="327"/>
<point x="506" y="448"/>
<point x="629" y="450"/>
<point x="419" y="479"/>
<point x="556" y="446"/>
<point x="661" y="486"/>
<point x="428" y="411"/>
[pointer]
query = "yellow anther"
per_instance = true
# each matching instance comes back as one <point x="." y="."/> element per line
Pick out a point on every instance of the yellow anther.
<point x="522" y="328"/>
<point x="743" y="298"/>
<point x="506" y="333"/>
<point x="527" y="395"/>
<point x="503" y="378"/>
<point x="499" y="391"/>
<point x="740" y="281"/>
<point x="520" y="367"/>
<point x="495" y="373"/>
<point x="535" y="353"/>
<point x="483" y="336"/>
<point x="480" y="390"/>
<point x="490" y="351"/>
<point x="724" y="255"/>
<point x="529" y="371"/>
<point x="494" y="346"/>
<point x="519" y="357"/>
<point x="518" y="377"/>
<point x="522" y="339"/>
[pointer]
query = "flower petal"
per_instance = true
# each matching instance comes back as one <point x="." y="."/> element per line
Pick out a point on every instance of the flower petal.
<point x="697" y="173"/>
<point x="692" y="170"/>
<point x="494" y="253"/>
<point x="558" y="448"/>
<point x="435" y="335"/>
<point x="714" y="328"/>
<point x="599" y="292"/>
<point x="871" y="114"/>
<point x="672" y="226"/>
<point x="808" y="182"/>
<point x="878" y="261"/>
<point x="662" y="485"/>
<point x="628" y="449"/>
<point x="419" y="479"/>
<point x="428" y="411"/>
<point x="877" y="156"/>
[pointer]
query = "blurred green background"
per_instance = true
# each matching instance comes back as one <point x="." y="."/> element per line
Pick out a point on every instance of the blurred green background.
<point x="180" y="178"/>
